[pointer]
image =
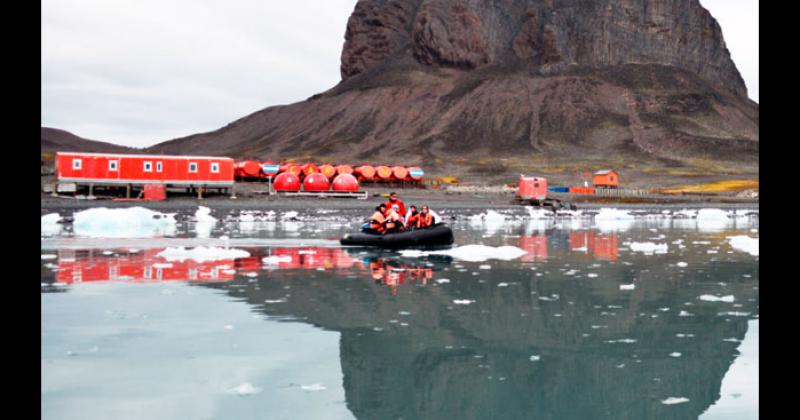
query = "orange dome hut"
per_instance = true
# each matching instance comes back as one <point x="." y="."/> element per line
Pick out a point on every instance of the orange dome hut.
<point x="400" y="173"/>
<point x="286" y="181"/>
<point x="344" y="169"/>
<point x="384" y="173"/>
<point x="248" y="169"/>
<point x="328" y="170"/>
<point x="365" y="172"/>
<point x="316" y="182"/>
<point x="345" y="182"/>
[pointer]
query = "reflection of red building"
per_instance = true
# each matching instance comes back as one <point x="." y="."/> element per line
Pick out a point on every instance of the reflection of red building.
<point x="604" y="247"/>
<point x="143" y="266"/>
<point x="309" y="258"/>
<point x="535" y="246"/>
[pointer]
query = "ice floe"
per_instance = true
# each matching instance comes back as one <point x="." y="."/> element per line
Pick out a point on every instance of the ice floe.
<point x="649" y="248"/>
<point x="610" y="219"/>
<point x="50" y="225"/>
<point x="744" y="243"/>
<point x="442" y="281"/>
<point x="204" y="222"/>
<point x="132" y="222"/>
<point x="202" y="254"/>
<point x="463" y="301"/>
<point x="245" y="389"/>
<point x="712" y="298"/>
<point x="313" y="387"/>
<point x="627" y="286"/>
<point x="535" y="358"/>
<point x="674" y="400"/>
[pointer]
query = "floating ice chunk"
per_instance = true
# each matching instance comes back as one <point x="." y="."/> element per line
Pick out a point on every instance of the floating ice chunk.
<point x="682" y="264"/>
<point x="228" y="327"/>
<point x="570" y="272"/>
<point x="745" y="244"/>
<point x="245" y="389"/>
<point x="674" y="400"/>
<point x="675" y="354"/>
<point x="733" y="313"/>
<point x="712" y="298"/>
<point x="463" y="301"/>
<point x="404" y="313"/>
<point x="591" y="275"/>
<point x="622" y="340"/>
<point x="712" y="219"/>
<point x="503" y="284"/>
<point x="610" y="219"/>
<point x="442" y="281"/>
<point x="684" y="313"/>
<point x="535" y="358"/>
<point x="205" y="223"/>
<point x="281" y="300"/>
<point x="649" y="248"/>
<point x="132" y="222"/>
<point x="289" y="215"/>
<point x="473" y="253"/>
<point x="627" y="286"/>
<point x="731" y="340"/>
<point x="485" y="267"/>
<point x="202" y="254"/>
<point x="50" y="225"/>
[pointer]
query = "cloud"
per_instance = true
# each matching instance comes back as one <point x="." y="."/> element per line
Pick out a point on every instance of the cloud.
<point x="141" y="72"/>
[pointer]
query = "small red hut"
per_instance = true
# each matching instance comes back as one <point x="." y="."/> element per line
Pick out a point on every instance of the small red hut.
<point x="607" y="178"/>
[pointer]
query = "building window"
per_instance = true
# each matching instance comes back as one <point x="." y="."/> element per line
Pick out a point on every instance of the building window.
<point x="192" y="166"/>
<point x="215" y="167"/>
<point x="159" y="167"/>
<point x="612" y="178"/>
<point x="76" y="163"/>
<point x="535" y="185"/>
<point x="148" y="166"/>
<point x="112" y="165"/>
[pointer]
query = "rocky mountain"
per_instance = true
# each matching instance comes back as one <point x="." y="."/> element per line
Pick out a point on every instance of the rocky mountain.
<point x="493" y="86"/>
<point x="55" y="140"/>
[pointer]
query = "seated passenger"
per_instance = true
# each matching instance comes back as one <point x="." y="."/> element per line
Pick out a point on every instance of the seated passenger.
<point x="377" y="221"/>
<point x="426" y="219"/>
<point x="412" y="217"/>
<point x="393" y="200"/>
<point x="394" y="222"/>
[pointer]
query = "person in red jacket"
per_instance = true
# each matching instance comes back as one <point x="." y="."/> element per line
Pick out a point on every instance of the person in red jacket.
<point x="394" y="200"/>
<point x="425" y="218"/>
<point x="412" y="217"/>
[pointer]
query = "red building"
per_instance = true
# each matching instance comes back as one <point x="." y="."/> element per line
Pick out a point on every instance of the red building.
<point x="119" y="169"/>
<point x="607" y="178"/>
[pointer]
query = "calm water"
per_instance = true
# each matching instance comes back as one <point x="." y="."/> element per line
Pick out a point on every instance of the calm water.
<point x="581" y="326"/>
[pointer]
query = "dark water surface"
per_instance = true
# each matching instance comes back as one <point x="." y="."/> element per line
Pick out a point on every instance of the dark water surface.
<point x="582" y="326"/>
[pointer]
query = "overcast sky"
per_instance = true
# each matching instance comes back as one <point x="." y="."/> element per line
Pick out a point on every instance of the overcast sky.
<point x="145" y="71"/>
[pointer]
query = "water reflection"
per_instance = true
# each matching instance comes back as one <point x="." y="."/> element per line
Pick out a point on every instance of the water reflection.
<point x="551" y="335"/>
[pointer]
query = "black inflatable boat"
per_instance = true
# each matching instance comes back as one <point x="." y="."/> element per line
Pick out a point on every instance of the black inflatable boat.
<point x="436" y="235"/>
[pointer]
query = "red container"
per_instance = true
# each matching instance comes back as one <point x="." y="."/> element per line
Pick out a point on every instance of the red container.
<point x="248" y="169"/>
<point x="400" y="173"/>
<point x="384" y="173"/>
<point x="532" y="188"/>
<point x="328" y="170"/>
<point x="345" y="182"/>
<point x="344" y="169"/>
<point x="581" y="190"/>
<point x="366" y="172"/>
<point x="316" y="182"/>
<point x="287" y="182"/>
<point x="155" y="192"/>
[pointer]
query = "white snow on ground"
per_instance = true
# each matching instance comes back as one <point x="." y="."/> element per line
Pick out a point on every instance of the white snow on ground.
<point x="712" y="219"/>
<point x="674" y="400"/>
<point x="472" y="253"/>
<point x="609" y="219"/>
<point x="132" y="222"/>
<point x="50" y="225"/>
<point x="712" y="298"/>
<point x="289" y="215"/>
<point x="649" y="248"/>
<point x="202" y="254"/>
<point x="204" y="222"/>
<point x="744" y="243"/>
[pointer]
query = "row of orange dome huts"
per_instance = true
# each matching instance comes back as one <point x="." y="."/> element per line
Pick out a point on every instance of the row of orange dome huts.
<point x="344" y="178"/>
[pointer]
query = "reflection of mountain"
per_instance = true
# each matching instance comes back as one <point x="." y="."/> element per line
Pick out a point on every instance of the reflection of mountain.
<point x="454" y="361"/>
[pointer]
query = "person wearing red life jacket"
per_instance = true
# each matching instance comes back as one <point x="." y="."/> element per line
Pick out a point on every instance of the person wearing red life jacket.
<point x="412" y="217"/>
<point x="394" y="222"/>
<point x="425" y="219"/>
<point x="378" y="220"/>
<point x="394" y="200"/>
